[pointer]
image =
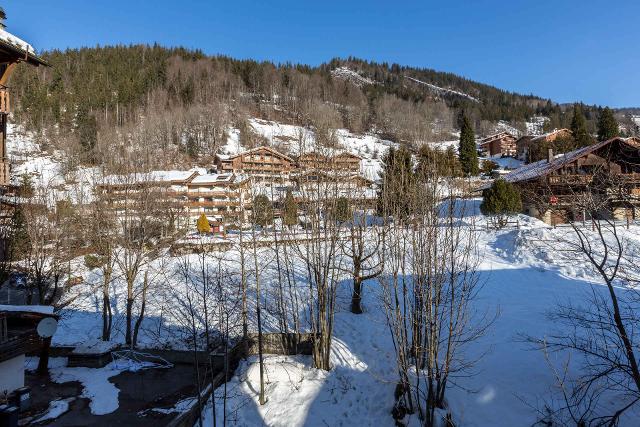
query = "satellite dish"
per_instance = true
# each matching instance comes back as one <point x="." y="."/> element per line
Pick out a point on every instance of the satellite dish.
<point x="47" y="327"/>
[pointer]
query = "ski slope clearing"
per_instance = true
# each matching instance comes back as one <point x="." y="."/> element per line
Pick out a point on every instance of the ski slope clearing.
<point x="344" y="73"/>
<point x="442" y="91"/>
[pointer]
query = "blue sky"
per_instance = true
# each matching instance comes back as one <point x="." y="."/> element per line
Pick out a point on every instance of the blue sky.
<point x="567" y="50"/>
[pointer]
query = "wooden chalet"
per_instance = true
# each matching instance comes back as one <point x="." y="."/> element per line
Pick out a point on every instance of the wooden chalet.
<point x="264" y="163"/>
<point x="563" y="188"/>
<point x="223" y="198"/>
<point x="524" y="144"/>
<point x="500" y="144"/>
<point x="341" y="162"/>
<point x="12" y="52"/>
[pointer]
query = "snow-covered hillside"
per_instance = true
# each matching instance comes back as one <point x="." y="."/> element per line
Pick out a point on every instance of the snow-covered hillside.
<point x="344" y="73"/>
<point x="46" y="170"/>
<point x="295" y="140"/>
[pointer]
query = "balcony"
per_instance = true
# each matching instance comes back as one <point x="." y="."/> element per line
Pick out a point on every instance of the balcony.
<point x="623" y="178"/>
<point x="569" y="179"/>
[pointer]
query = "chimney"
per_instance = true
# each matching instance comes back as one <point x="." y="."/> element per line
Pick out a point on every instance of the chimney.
<point x="550" y="155"/>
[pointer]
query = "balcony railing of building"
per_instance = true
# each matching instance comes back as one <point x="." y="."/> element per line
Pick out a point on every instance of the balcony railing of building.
<point x="623" y="178"/>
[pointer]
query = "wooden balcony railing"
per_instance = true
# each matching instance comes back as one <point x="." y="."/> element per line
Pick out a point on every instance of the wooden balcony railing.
<point x="569" y="179"/>
<point x="624" y="178"/>
<point x="4" y="101"/>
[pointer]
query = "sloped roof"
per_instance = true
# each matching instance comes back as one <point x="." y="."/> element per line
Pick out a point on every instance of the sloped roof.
<point x="544" y="167"/>
<point x="493" y="137"/>
<point x="158" y="177"/>
<point x="19" y="48"/>
<point x="217" y="178"/>
<point x="261" y="148"/>
<point x="549" y="134"/>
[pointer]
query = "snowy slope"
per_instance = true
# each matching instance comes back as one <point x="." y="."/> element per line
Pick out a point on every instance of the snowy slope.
<point x="443" y="91"/>
<point x="344" y="73"/>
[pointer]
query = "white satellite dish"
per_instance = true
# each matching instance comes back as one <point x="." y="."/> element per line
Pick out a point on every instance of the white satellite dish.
<point x="47" y="327"/>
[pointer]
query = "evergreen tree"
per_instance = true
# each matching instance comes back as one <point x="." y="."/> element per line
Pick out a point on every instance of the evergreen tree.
<point x="262" y="211"/>
<point x="433" y="160"/>
<point x="579" y="128"/>
<point x="19" y="241"/>
<point x="607" y="125"/>
<point x="290" y="210"/>
<point x="468" y="151"/>
<point x="398" y="181"/>
<point x="87" y="129"/>
<point x="203" y="224"/>
<point x="500" y="200"/>
<point x="342" y="210"/>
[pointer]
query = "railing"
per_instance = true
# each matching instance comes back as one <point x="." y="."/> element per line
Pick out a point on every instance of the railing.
<point x="627" y="178"/>
<point x="4" y="100"/>
<point x="18" y="344"/>
<point x="209" y="203"/>
<point x="569" y="179"/>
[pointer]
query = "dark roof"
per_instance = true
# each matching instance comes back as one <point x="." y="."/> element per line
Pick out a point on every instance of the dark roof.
<point x="544" y="167"/>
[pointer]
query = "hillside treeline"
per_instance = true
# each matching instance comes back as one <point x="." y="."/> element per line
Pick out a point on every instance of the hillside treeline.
<point x="170" y="105"/>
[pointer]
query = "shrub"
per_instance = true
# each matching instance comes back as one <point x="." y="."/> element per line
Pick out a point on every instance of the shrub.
<point x="500" y="200"/>
<point x="203" y="224"/>
<point x="92" y="261"/>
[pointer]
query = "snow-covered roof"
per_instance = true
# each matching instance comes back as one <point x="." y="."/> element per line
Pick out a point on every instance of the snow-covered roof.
<point x="20" y="46"/>
<point x="158" y="177"/>
<point x="493" y="137"/>
<point x="217" y="178"/>
<point x="262" y="148"/>
<point x="544" y="167"/>
<point x="548" y="135"/>
<point x="41" y="309"/>
<point x="7" y="37"/>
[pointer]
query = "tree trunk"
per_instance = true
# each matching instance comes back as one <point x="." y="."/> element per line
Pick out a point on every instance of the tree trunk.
<point x="106" y="309"/>
<point x="136" y="329"/>
<point x="129" y="315"/>
<point x="43" y="364"/>
<point x="356" y="298"/>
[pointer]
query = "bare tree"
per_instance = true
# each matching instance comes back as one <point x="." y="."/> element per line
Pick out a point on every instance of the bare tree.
<point x="429" y="286"/>
<point x="600" y="336"/>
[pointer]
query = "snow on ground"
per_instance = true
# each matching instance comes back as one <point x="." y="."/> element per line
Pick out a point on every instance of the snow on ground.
<point x="358" y="389"/>
<point x="535" y="125"/>
<point x="505" y="163"/>
<point x="95" y="382"/>
<point x="56" y="408"/>
<point x="503" y="126"/>
<point x="525" y="278"/>
<point x="445" y="145"/>
<point x="294" y="140"/>
<point x="47" y="170"/>
<point x="31" y="363"/>
<point x="181" y="406"/>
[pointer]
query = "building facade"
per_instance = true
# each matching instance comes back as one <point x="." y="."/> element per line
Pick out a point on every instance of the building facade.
<point x="601" y="181"/>
<point x="500" y="144"/>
